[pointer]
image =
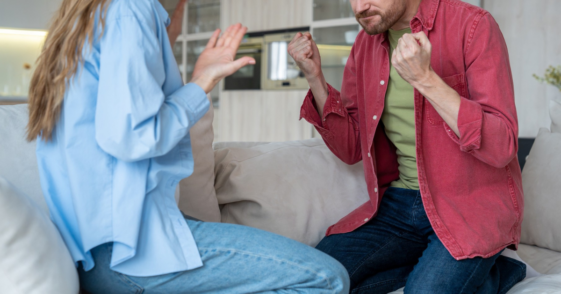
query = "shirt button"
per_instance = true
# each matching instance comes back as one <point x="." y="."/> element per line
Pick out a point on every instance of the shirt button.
<point x="366" y="219"/>
<point x="369" y="154"/>
<point x="375" y="117"/>
<point x="376" y="190"/>
<point x="382" y="82"/>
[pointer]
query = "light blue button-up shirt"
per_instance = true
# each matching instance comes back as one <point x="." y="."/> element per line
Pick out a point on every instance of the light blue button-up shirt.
<point x="122" y="145"/>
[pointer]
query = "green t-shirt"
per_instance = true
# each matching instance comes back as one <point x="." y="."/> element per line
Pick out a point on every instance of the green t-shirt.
<point x="399" y="121"/>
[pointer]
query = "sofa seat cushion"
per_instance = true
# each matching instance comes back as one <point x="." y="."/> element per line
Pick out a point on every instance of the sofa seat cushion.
<point x="33" y="257"/>
<point x="543" y="260"/>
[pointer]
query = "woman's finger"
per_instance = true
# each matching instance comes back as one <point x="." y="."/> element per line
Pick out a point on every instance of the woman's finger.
<point x="212" y="42"/>
<point x="232" y="35"/>
<point x="237" y="38"/>
<point x="239" y="63"/>
<point x="227" y="35"/>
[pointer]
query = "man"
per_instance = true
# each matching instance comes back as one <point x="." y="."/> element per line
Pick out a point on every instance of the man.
<point x="427" y="103"/>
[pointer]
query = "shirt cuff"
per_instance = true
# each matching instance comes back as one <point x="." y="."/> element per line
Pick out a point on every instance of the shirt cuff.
<point x="193" y="98"/>
<point x="333" y="104"/>
<point x="470" y="122"/>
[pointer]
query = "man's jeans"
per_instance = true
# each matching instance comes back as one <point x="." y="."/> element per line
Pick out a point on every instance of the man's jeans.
<point x="236" y="259"/>
<point x="399" y="248"/>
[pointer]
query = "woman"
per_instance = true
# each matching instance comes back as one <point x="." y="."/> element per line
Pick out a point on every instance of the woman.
<point x="112" y="117"/>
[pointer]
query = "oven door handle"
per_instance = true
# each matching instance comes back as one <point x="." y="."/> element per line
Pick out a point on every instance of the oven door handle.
<point x="246" y="51"/>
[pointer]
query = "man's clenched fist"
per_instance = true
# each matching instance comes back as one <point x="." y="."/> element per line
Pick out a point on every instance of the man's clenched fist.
<point x="305" y="52"/>
<point x="412" y="58"/>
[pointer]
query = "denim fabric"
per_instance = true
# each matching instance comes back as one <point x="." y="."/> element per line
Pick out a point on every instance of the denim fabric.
<point x="399" y="248"/>
<point x="236" y="259"/>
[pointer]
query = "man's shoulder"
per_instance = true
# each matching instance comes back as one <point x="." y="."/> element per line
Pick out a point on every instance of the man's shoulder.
<point x="460" y="5"/>
<point x="463" y="17"/>
<point x="461" y="10"/>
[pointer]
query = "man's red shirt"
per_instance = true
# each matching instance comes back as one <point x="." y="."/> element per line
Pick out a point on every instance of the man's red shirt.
<point x="471" y="185"/>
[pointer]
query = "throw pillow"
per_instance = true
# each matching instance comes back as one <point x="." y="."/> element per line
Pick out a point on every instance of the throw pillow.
<point x="18" y="163"/>
<point x="33" y="257"/>
<point x="542" y="196"/>
<point x="197" y="197"/>
<point x="295" y="189"/>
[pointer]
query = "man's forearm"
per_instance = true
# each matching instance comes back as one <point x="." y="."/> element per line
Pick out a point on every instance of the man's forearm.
<point x="318" y="85"/>
<point x="443" y="98"/>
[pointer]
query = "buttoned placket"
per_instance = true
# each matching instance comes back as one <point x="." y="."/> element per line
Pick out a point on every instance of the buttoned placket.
<point x="384" y="81"/>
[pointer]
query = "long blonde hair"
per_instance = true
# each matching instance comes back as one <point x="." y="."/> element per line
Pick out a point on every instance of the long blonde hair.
<point x="72" y="25"/>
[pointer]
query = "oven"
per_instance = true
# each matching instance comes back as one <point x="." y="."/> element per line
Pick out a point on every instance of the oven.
<point x="248" y="77"/>
<point x="279" y="70"/>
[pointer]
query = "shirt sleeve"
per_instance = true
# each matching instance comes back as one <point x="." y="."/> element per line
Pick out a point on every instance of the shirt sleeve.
<point x="487" y="120"/>
<point x="135" y="120"/>
<point x="338" y="125"/>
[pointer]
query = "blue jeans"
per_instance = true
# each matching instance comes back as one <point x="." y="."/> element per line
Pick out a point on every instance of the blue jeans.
<point x="399" y="248"/>
<point x="236" y="259"/>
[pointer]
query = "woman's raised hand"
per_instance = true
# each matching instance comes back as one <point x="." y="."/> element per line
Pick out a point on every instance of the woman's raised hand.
<point x="217" y="60"/>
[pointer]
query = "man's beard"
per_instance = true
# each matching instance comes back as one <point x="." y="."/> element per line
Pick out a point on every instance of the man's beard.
<point x="388" y="19"/>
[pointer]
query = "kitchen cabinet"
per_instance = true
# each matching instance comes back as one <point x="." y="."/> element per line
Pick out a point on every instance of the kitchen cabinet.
<point x="331" y="9"/>
<point x="203" y="16"/>
<point x="334" y="30"/>
<point x="335" y="44"/>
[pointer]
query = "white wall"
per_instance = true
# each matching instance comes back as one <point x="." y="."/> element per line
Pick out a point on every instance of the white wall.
<point x="27" y="14"/>
<point x="474" y="2"/>
<point x="531" y="30"/>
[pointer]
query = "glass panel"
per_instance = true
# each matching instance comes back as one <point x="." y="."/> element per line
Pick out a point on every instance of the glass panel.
<point x="203" y="16"/>
<point x="281" y="65"/>
<point x="178" y="53"/>
<point x="335" y="44"/>
<point x="332" y="9"/>
<point x="194" y="49"/>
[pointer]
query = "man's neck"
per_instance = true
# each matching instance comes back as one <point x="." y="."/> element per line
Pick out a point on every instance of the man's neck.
<point x="410" y="12"/>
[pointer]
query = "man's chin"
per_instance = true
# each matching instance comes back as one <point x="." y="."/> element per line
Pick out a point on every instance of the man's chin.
<point x="372" y="29"/>
<point x="372" y="26"/>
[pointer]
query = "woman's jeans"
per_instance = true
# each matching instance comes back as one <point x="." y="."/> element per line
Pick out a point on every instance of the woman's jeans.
<point x="236" y="259"/>
<point x="399" y="248"/>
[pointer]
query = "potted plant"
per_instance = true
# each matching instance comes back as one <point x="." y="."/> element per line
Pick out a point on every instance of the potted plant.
<point x="552" y="76"/>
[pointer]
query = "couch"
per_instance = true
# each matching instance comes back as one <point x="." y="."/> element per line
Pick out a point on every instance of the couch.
<point x="256" y="184"/>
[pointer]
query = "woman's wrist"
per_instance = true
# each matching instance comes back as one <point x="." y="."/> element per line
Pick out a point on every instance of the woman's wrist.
<point x="207" y="84"/>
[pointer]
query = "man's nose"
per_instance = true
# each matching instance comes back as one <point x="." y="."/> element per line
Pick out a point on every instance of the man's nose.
<point x="360" y="5"/>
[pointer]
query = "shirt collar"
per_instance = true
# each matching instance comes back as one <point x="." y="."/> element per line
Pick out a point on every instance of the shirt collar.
<point x="426" y="14"/>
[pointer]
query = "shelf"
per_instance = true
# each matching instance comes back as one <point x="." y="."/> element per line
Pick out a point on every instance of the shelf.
<point x="13" y="99"/>
<point x="333" y="66"/>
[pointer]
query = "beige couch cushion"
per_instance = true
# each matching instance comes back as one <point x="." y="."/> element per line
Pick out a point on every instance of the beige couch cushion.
<point x="542" y="193"/>
<point x="543" y="260"/>
<point x="197" y="197"/>
<point x="18" y="163"/>
<point x="33" y="257"/>
<point x="295" y="189"/>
